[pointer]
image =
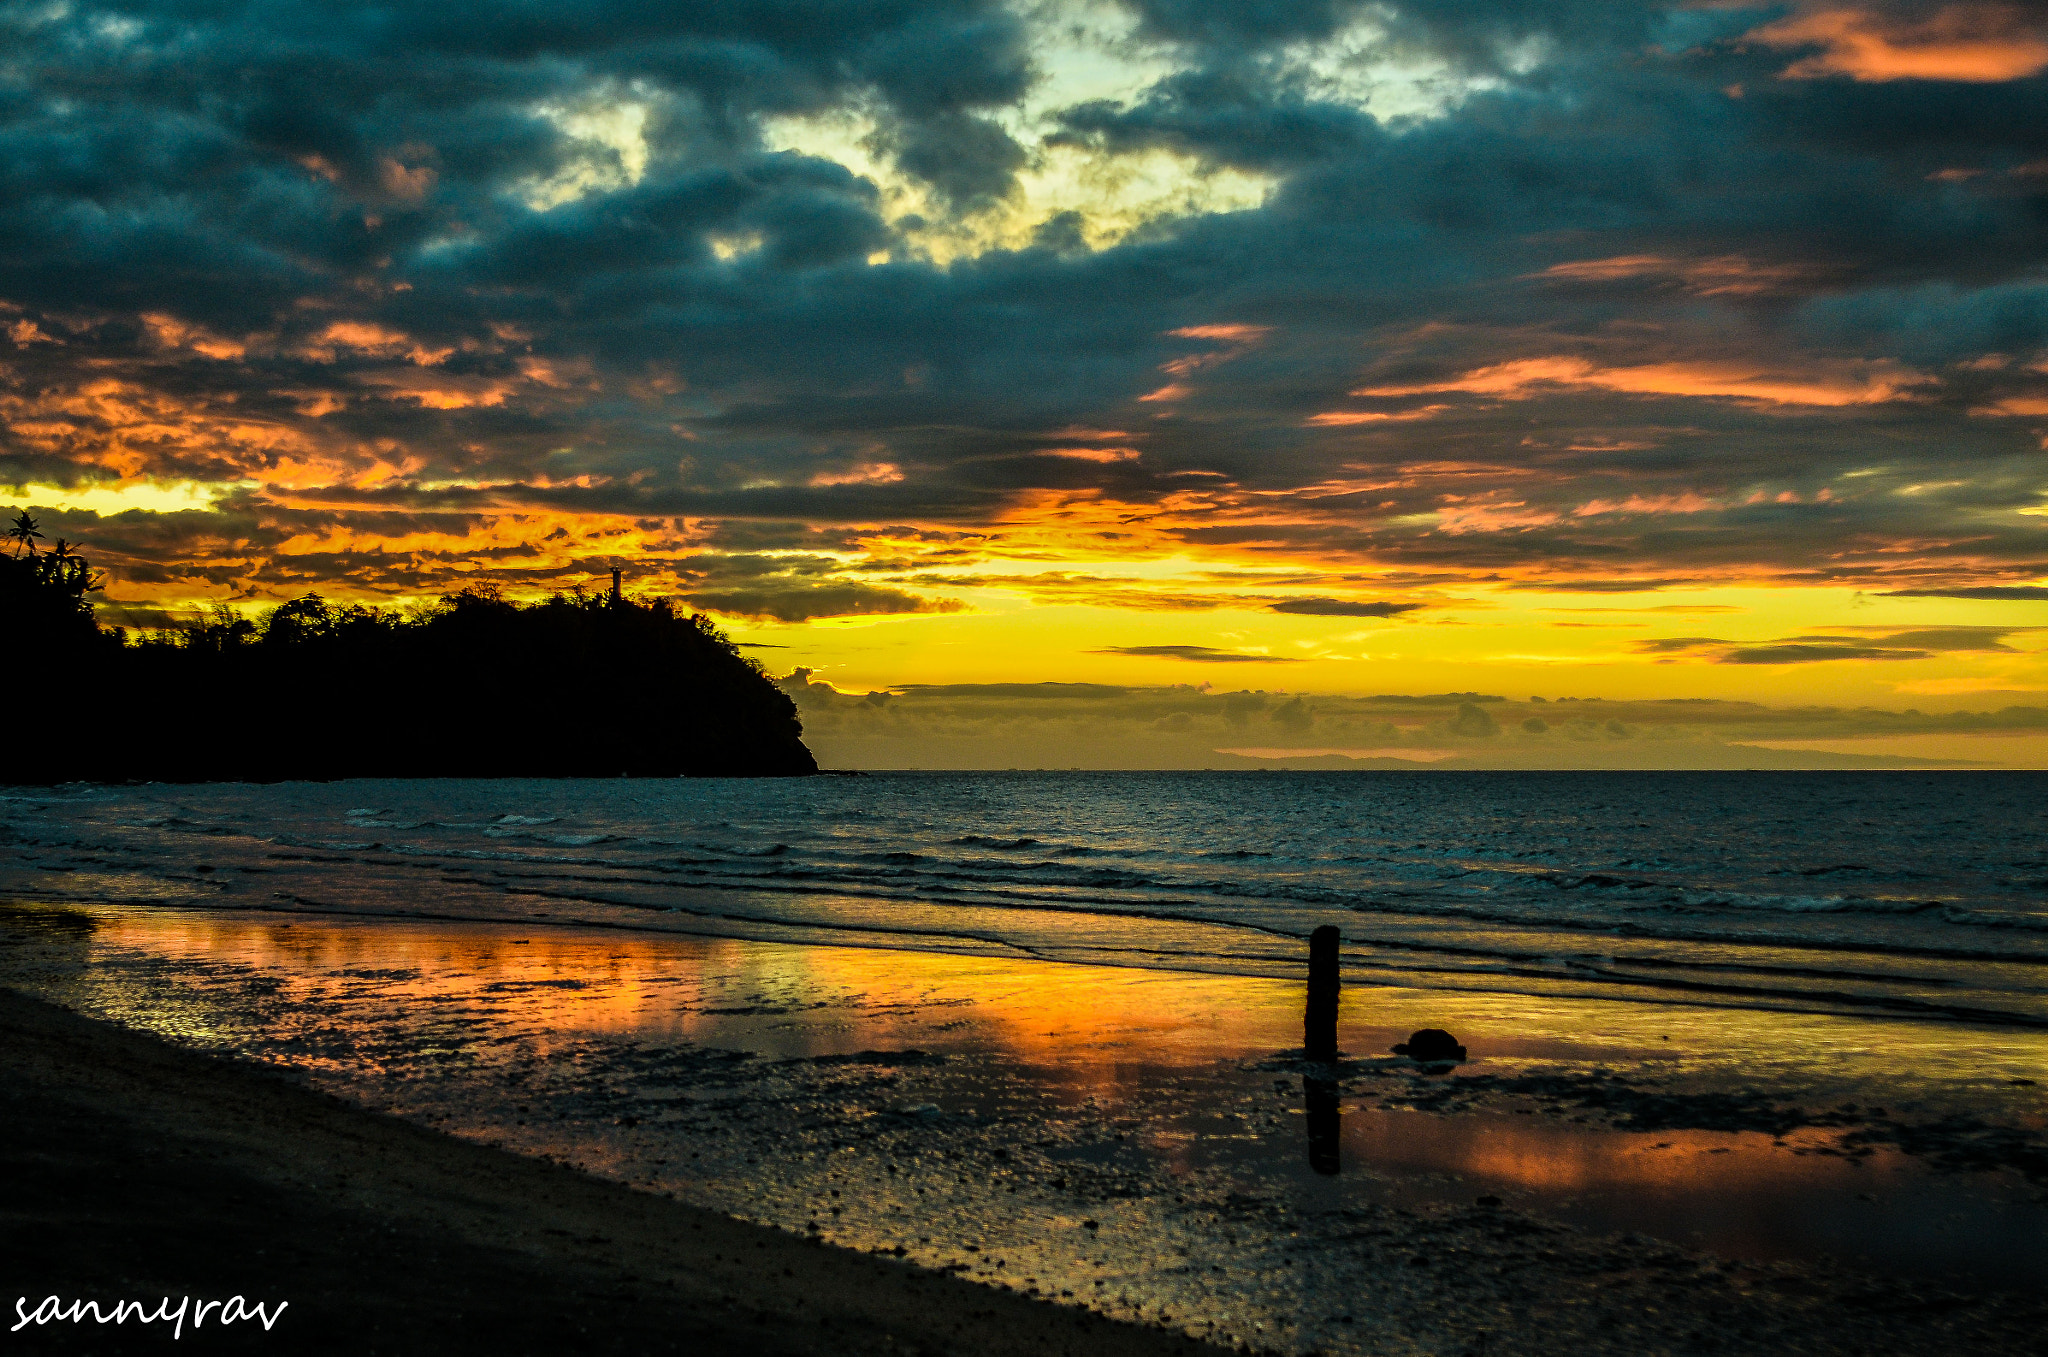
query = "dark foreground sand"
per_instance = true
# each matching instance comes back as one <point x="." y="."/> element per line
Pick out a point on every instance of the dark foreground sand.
<point x="136" y="1171"/>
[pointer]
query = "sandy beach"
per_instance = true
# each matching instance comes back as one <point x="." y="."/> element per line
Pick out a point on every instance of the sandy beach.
<point x="1138" y="1149"/>
<point x="138" y="1171"/>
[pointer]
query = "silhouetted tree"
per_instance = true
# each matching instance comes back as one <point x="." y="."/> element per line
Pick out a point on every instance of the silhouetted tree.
<point x="23" y="533"/>
<point x="219" y="628"/>
<point x="67" y="571"/>
<point x="472" y="686"/>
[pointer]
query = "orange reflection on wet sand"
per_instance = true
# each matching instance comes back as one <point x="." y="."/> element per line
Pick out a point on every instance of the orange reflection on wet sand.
<point x="815" y="1000"/>
<point x="1091" y="1025"/>
<point x="1539" y="1155"/>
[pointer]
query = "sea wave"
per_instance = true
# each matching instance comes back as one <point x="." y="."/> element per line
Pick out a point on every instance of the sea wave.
<point x="1444" y="876"/>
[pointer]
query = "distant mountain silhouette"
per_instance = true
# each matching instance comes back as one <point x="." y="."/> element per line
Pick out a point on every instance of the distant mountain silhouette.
<point x="575" y="686"/>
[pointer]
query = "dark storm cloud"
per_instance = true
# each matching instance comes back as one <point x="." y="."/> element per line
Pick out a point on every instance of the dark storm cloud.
<point x="1935" y="322"/>
<point x="387" y="256"/>
<point x="1240" y="24"/>
<point x="970" y="160"/>
<point x="1490" y="36"/>
<point x="1231" y="116"/>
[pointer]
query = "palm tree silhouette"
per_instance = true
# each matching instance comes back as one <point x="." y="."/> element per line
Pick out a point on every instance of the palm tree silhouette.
<point x="24" y="533"/>
<point x="66" y="565"/>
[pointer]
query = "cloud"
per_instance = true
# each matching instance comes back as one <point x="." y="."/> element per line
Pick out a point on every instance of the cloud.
<point x="1851" y="383"/>
<point x="1515" y="296"/>
<point x="971" y="161"/>
<point x="1063" y="725"/>
<point x="1232" y="24"/>
<point x="1202" y="654"/>
<point x="803" y="602"/>
<point x="2032" y="592"/>
<point x="1959" y="41"/>
<point x="1725" y="276"/>
<point x="1342" y="607"/>
<point x="1473" y="722"/>
<point x="1337" y="419"/>
<point x="1813" y="652"/>
<point x="1874" y="643"/>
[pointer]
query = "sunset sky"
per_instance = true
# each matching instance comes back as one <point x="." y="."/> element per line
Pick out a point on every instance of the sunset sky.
<point x="1366" y="360"/>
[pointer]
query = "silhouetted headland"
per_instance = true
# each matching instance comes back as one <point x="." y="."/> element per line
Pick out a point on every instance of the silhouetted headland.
<point x="476" y="686"/>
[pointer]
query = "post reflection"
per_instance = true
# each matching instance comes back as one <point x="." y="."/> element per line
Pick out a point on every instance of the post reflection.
<point x="1325" y="1153"/>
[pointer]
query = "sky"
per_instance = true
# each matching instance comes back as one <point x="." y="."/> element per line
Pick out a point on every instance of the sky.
<point x="1163" y="383"/>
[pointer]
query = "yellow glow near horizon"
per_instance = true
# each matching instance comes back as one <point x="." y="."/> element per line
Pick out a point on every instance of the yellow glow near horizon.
<point x="1039" y="599"/>
<point x="1507" y="641"/>
<point x="160" y="497"/>
<point x="1998" y="749"/>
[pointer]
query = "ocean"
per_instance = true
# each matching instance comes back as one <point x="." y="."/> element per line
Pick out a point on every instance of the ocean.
<point x="1916" y="896"/>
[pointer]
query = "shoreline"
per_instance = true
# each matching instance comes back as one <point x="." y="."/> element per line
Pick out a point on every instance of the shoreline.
<point x="143" y="1171"/>
<point x="1125" y="1141"/>
<point x="1582" y="905"/>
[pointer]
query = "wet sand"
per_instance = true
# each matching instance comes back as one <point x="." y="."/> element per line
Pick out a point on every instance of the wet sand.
<point x="137" y="1171"/>
<point x="1616" y="1178"/>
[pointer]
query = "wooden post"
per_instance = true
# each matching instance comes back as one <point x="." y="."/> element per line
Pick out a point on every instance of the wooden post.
<point x="1320" y="1023"/>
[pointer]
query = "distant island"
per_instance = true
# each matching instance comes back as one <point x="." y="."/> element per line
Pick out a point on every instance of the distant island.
<point x="576" y="685"/>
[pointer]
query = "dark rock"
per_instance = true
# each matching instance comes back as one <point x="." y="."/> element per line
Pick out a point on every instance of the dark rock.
<point x="1430" y="1046"/>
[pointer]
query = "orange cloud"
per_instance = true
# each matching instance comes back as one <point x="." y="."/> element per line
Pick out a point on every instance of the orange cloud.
<point x="867" y="473"/>
<point x="1981" y="43"/>
<point x="135" y="431"/>
<point x="1685" y="503"/>
<point x="25" y="332"/>
<point x="2015" y="405"/>
<point x="441" y="391"/>
<point x="315" y="404"/>
<point x="1729" y="275"/>
<point x="173" y="333"/>
<point x="1092" y="454"/>
<point x="1087" y="435"/>
<point x="368" y="339"/>
<point x="1844" y="384"/>
<point x="1338" y="418"/>
<point x="1490" y="514"/>
<point x="1236" y="334"/>
<point x="557" y="373"/>
<point x="1241" y="337"/>
<point x="402" y="182"/>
